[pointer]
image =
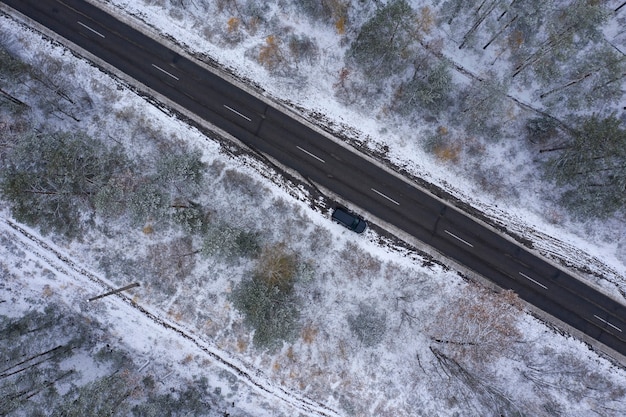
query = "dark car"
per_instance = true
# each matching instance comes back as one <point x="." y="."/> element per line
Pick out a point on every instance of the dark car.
<point x="351" y="221"/>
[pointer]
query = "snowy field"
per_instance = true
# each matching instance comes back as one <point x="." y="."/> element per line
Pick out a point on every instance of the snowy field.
<point x="391" y="335"/>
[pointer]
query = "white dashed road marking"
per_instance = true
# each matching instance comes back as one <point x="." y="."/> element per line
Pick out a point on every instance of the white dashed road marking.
<point x="536" y="282"/>
<point x="458" y="238"/>
<point x="310" y="154"/>
<point x="93" y="30"/>
<point x="383" y="195"/>
<point x="237" y="113"/>
<point x="613" y="326"/>
<point x="165" y="72"/>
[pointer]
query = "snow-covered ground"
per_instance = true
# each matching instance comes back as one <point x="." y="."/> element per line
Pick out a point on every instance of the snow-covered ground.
<point x="330" y="368"/>
<point x="516" y="196"/>
<point x="158" y="345"/>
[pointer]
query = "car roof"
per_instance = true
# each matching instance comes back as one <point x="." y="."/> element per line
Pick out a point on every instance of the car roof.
<point x="343" y="215"/>
<point x="350" y="220"/>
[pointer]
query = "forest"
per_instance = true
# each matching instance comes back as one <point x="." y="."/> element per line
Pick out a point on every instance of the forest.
<point x="136" y="194"/>
<point x="548" y="75"/>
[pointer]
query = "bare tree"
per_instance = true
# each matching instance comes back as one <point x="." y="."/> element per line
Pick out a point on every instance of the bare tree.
<point x="477" y="325"/>
<point x="482" y="12"/>
<point x="578" y="22"/>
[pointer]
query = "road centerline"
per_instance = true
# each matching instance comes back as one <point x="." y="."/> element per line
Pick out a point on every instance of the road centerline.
<point x="310" y="154"/>
<point x="168" y="73"/>
<point x="88" y="28"/>
<point x="458" y="238"/>
<point x="383" y="195"/>
<point x="604" y="321"/>
<point x="530" y="279"/>
<point x="237" y="113"/>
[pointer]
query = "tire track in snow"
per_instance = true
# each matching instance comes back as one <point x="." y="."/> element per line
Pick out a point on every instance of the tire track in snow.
<point x="247" y="374"/>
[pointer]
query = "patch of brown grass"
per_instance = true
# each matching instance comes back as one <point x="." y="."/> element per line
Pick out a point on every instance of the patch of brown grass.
<point x="233" y="24"/>
<point x="448" y="152"/>
<point x="340" y="25"/>
<point x="309" y="333"/>
<point x="47" y="291"/>
<point x="270" y="54"/>
<point x="242" y="345"/>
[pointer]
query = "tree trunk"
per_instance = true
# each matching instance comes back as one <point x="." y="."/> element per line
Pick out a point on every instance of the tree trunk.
<point x="126" y="287"/>
<point x="499" y="32"/>
<point x="576" y="81"/>
<point x="548" y="46"/>
<point x="558" y="148"/>
<point x="31" y="358"/>
<point x="478" y="22"/>
<point x="12" y="99"/>
<point x="7" y="374"/>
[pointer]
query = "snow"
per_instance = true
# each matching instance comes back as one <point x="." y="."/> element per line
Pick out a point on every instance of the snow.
<point x="330" y="373"/>
<point x="141" y="331"/>
<point x="524" y="211"/>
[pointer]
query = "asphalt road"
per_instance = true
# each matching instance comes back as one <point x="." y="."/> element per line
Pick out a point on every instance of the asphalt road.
<point x="323" y="161"/>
